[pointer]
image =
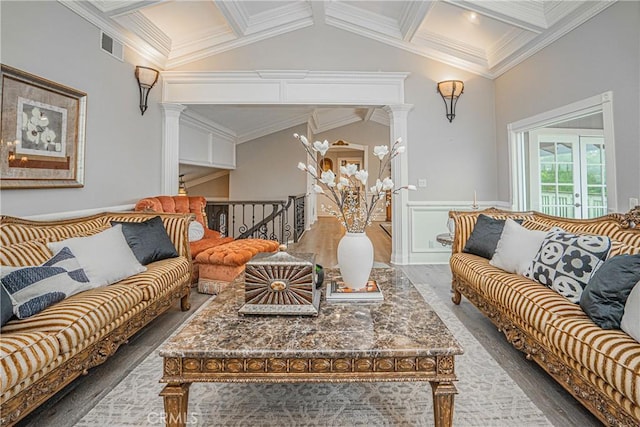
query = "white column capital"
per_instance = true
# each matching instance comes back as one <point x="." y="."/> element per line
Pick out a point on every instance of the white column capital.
<point x="397" y="109"/>
<point x="170" y="108"/>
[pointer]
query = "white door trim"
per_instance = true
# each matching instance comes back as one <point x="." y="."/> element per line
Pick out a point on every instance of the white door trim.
<point x="298" y="87"/>
<point x="599" y="103"/>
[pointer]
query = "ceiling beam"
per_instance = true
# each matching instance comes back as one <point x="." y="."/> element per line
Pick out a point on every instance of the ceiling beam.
<point x="235" y="15"/>
<point x="528" y="15"/>
<point x="114" y="8"/>
<point x="413" y="15"/>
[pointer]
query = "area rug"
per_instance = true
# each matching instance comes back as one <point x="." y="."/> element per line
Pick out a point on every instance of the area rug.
<point x="487" y="396"/>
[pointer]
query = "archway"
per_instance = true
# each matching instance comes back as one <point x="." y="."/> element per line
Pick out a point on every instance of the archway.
<point x="292" y="88"/>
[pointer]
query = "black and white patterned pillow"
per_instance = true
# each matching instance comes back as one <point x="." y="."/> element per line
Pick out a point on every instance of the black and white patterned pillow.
<point x="566" y="261"/>
<point x="32" y="289"/>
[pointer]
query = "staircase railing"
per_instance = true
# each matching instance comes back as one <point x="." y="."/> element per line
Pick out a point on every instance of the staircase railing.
<point x="259" y="219"/>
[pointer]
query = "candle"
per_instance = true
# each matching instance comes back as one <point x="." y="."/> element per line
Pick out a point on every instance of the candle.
<point x="475" y="199"/>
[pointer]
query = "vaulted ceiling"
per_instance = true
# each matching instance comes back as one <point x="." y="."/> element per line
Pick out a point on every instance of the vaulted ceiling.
<point x="481" y="36"/>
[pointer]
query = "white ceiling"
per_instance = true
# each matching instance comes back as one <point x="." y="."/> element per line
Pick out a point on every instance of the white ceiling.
<point x="481" y="36"/>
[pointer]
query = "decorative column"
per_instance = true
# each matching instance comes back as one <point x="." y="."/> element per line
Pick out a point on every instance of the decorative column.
<point x="170" y="147"/>
<point x="398" y="127"/>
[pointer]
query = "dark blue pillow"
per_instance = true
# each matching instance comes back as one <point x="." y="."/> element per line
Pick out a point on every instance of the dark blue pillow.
<point x="148" y="240"/>
<point x="605" y="296"/>
<point x="6" y="308"/>
<point x="485" y="236"/>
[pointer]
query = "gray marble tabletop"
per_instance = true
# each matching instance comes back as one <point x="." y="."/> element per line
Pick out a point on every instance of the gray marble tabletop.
<point x="402" y="325"/>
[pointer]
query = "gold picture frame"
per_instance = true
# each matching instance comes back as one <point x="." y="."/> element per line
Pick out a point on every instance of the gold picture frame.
<point x="42" y="131"/>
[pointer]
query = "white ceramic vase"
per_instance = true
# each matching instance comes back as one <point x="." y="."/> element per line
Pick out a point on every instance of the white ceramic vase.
<point x="355" y="259"/>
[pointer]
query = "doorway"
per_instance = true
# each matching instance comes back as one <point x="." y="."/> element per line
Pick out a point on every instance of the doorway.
<point x="568" y="172"/>
<point x="562" y="162"/>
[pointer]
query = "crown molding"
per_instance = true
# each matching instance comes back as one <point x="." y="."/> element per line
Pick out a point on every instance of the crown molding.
<point x="202" y="122"/>
<point x="507" y="44"/>
<point x="339" y="12"/>
<point x="380" y="116"/>
<point x="89" y="12"/>
<point x="280" y="16"/>
<point x="413" y="15"/>
<point x="473" y="61"/>
<point x="555" y="11"/>
<point x="235" y="14"/>
<point x="272" y="128"/>
<point x="211" y="50"/>
<point x="528" y="15"/>
<point x="583" y="13"/>
<point x="323" y="121"/>
<point x="198" y="42"/>
<point x="140" y="25"/>
<point x="115" y="8"/>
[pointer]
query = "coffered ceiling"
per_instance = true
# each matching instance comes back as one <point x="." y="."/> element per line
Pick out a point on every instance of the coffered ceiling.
<point x="481" y="36"/>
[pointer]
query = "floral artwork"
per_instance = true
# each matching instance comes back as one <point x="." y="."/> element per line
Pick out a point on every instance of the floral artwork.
<point x="41" y="129"/>
<point x="42" y="132"/>
<point x="355" y="207"/>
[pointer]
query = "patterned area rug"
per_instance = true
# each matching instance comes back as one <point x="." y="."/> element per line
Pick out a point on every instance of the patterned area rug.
<point x="487" y="396"/>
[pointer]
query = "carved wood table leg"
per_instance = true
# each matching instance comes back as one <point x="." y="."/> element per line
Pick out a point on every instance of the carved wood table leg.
<point x="443" y="395"/>
<point x="176" y="404"/>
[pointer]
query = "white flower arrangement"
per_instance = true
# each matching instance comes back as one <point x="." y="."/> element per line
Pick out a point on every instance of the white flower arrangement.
<point x="355" y="207"/>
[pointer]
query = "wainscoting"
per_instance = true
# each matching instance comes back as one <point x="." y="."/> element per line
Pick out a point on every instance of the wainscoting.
<point x="426" y="221"/>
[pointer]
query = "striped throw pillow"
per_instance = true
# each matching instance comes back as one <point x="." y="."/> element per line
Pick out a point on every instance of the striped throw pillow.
<point x="32" y="289"/>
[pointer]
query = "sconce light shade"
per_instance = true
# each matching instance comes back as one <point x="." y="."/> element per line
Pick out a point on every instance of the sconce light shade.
<point x="147" y="77"/>
<point x="182" y="186"/>
<point x="450" y="90"/>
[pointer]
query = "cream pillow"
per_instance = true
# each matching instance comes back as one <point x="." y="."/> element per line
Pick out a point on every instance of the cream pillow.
<point x="196" y="231"/>
<point x="631" y="318"/>
<point x="517" y="247"/>
<point x="105" y="257"/>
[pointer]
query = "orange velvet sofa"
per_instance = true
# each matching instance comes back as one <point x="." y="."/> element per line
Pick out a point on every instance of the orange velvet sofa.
<point x="186" y="204"/>
<point x="216" y="259"/>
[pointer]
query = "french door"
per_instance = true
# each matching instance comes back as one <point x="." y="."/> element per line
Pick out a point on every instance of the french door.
<point x="567" y="172"/>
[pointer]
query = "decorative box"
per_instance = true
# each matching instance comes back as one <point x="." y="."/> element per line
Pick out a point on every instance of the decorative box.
<point x="282" y="284"/>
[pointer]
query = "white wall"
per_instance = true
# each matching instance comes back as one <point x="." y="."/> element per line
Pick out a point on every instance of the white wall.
<point x="267" y="167"/>
<point x="437" y="150"/>
<point x="601" y="55"/>
<point x="123" y="148"/>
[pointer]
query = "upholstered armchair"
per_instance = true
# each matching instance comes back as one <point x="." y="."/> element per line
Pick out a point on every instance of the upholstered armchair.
<point x="186" y="204"/>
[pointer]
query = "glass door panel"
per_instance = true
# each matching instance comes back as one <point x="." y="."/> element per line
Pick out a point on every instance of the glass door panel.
<point x="594" y="184"/>
<point x="567" y="173"/>
<point x="553" y="180"/>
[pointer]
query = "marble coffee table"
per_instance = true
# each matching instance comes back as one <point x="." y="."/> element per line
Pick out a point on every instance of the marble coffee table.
<point x="400" y="339"/>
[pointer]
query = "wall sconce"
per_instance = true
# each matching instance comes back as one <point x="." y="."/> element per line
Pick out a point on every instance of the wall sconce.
<point x="450" y="90"/>
<point x="182" y="186"/>
<point x="147" y="77"/>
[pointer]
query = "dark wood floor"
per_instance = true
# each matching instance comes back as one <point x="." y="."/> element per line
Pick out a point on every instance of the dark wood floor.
<point x="72" y="403"/>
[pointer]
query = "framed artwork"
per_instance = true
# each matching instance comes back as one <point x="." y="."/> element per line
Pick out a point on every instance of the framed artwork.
<point x="42" y="132"/>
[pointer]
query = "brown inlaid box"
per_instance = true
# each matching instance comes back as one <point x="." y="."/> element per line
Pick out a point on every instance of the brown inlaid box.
<point x="281" y="284"/>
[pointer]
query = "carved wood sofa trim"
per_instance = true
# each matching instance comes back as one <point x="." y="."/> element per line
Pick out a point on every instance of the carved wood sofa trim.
<point x="602" y="406"/>
<point x="26" y="400"/>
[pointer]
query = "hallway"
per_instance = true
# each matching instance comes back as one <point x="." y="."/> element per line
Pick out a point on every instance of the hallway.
<point x="324" y="236"/>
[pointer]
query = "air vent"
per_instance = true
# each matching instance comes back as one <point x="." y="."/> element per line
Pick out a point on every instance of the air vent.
<point x="111" y="46"/>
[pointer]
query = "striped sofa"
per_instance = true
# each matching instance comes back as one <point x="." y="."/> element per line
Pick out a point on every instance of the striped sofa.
<point x="600" y="368"/>
<point x="43" y="353"/>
